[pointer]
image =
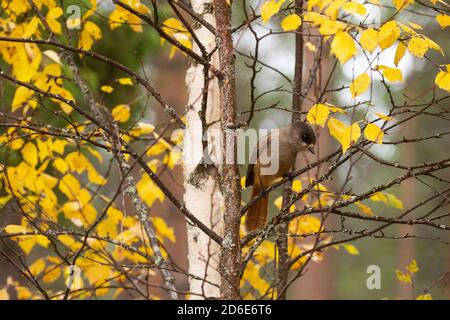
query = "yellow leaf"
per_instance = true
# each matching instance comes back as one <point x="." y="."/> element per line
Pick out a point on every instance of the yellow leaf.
<point x="142" y="128"/>
<point x="69" y="242"/>
<point x="37" y="267"/>
<point x="373" y="133"/>
<point x="4" y="200"/>
<point x="177" y="136"/>
<point x="91" y="10"/>
<point x="399" y="53"/>
<point x="53" y="69"/>
<point x="69" y="186"/>
<point x="243" y="182"/>
<point x="159" y="147"/>
<point x="175" y="28"/>
<point x="360" y="85"/>
<point x="343" y="133"/>
<point x="13" y="228"/>
<point x="364" y="209"/>
<point x="318" y="114"/>
<point x="392" y="74"/>
<point x="383" y="117"/>
<point x="433" y="45"/>
<point x="413" y="267"/>
<point x="125" y="81"/>
<point x="31" y="28"/>
<point x="388" y="34"/>
<point x="401" y="4"/>
<point x="312" y="3"/>
<point x="351" y="249"/>
<point x="23" y="95"/>
<point x="23" y="293"/>
<point x="331" y="27"/>
<point x="118" y="17"/>
<point x="337" y="128"/>
<point x="42" y="240"/>
<point x="163" y="229"/>
<point x="17" y="6"/>
<point x="343" y="46"/>
<point x="354" y="7"/>
<point x="443" y="20"/>
<point x="310" y="224"/>
<point x="407" y="29"/>
<point x="107" y="228"/>
<point x="251" y="274"/>
<point x="149" y="191"/>
<point x="134" y="21"/>
<point x="426" y="296"/>
<point x="352" y="134"/>
<point x="315" y="18"/>
<point x="278" y="202"/>
<point x="44" y="150"/>
<point x="89" y="33"/>
<point x="94" y="176"/>
<point x="172" y="159"/>
<point x="98" y="273"/>
<point x="291" y="22"/>
<point x="52" y="16"/>
<point x="310" y="46"/>
<point x="121" y="113"/>
<point x="378" y="197"/>
<point x="443" y="79"/>
<point x="332" y="9"/>
<point x="388" y="198"/>
<point x="58" y="146"/>
<point x="297" y="186"/>
<point x="77" y="162"/>
<point x="269" y="8"/>
<point x="403" y="277"/>
<point x="107" y="89"/>
<point x="4" y="295"/>
<point x="27" y="244"/>
<point x="51" y="274"/>
<point x="418" y="46"/>
<point x="415" y="25"/>
<point x="369" y="40"/>
<point x="30" y="154"/>
<point x="393" y="201"/>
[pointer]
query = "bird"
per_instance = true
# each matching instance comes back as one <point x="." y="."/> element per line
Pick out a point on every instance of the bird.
<point x="296" y="137"/>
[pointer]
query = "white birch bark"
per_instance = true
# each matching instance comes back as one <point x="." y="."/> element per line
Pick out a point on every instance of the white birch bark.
<point x="204" y="203"/>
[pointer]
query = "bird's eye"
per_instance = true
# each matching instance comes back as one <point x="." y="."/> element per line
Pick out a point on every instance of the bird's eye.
<point x="304" y="136"/>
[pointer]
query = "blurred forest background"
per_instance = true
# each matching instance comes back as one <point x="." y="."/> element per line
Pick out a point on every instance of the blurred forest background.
<point x="339" y="275"/>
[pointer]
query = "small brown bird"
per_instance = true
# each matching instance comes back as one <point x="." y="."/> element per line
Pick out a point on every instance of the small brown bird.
<point x="296" y="137"/>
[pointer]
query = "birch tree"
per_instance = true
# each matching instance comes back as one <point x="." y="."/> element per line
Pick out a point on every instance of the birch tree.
<point x="201" y="176"/>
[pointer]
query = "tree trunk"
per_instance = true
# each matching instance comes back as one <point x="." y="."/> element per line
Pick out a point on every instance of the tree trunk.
<point x="408" y="190"/>
<point x="203" y="201"/>
<point x="230" y="259"/>
<point x="282" y="241"/>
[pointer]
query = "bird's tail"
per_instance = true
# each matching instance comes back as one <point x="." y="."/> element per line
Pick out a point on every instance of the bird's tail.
<point x="257" y="213"/>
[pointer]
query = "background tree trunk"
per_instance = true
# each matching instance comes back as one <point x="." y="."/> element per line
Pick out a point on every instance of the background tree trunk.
<point x="204" y="202"/>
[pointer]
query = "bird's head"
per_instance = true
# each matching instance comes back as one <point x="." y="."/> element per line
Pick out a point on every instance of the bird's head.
<point x="303" y="136"/>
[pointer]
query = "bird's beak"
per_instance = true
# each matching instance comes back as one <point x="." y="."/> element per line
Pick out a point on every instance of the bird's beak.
<point x="310" y="147"/>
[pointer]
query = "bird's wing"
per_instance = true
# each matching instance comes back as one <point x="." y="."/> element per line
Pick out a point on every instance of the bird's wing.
<point x="250" y="178"/>
<point x="263" y="144"/>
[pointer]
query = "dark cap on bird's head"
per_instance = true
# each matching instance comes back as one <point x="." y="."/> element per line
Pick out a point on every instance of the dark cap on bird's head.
<point x="304" y="135"/>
